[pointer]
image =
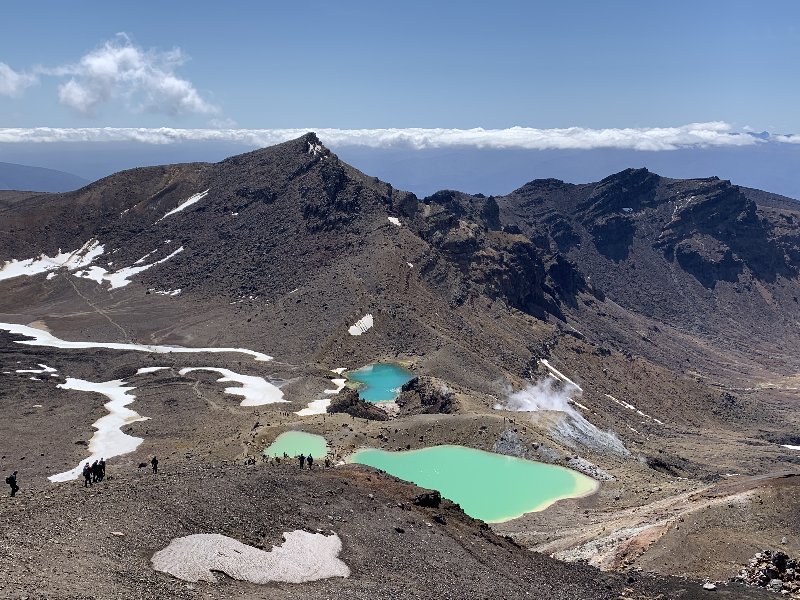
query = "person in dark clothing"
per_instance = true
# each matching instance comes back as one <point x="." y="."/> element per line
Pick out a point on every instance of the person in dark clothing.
<point x="87" y="475"/>
<point x="95" y="472"/>
<point x="102" y="468"/>
<point x="310" y="461"/>
<point x="12" y="481"/>
<point x="154" y="462"/>
<point x="327" y="462"/>
<point x="302" y="459"/>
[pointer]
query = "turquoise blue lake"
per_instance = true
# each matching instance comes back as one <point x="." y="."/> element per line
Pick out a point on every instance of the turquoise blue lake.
<point x="488" y="486"/>
<point x="294" y="443"/>
<point x="381" y="382"/>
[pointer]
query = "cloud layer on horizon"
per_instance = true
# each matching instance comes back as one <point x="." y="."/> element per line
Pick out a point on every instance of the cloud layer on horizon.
<point x="145" y="80"/>
<point x="694" y="135"/>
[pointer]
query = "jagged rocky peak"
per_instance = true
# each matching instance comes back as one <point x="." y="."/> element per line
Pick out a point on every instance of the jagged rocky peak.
<point x="548" y="184"/>
<point x="627" y="191"/>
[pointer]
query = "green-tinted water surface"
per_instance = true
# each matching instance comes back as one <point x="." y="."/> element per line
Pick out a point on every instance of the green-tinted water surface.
<point x="298" y="442"/>
<point x="381" y="381"/>
<point x="488" y="486"/>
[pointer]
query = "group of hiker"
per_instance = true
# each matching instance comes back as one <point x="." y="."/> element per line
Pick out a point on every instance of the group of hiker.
<point x="94" y="473"/>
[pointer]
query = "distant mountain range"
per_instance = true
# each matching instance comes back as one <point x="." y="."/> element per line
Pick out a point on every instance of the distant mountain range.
<point x="37" y="179"/>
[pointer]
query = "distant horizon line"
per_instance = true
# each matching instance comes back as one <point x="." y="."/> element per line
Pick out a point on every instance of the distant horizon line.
<point x="692" y="135"/>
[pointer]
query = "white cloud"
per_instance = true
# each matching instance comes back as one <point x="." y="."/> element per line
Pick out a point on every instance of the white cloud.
<point x="145" y="80"/>
<point x="695" y="135"/>
<point x="13" y="83"/>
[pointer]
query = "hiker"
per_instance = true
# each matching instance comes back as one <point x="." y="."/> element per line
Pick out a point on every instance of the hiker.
<point x="327" y="463"/>
<point x="154" y="462"/>
<point x="95" y="472"/>
<point x="302" y="458"/>
<point x="310" y="461"/>
<point x="12" y="481"/>
<point x="87" y="475"/>
<point x="102" y="466"/>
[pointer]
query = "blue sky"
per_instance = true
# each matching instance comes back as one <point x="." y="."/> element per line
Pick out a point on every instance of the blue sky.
<point x="409" y="64"/>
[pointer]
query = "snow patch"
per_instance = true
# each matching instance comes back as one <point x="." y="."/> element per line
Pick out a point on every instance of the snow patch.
<point x="256" y="390"/>
<point x="302" y="557"/>
<point x="395" y="221"/>
<point x="146" y="370"/>
<point x="320" y="407"/>
<point x="315" y="149"/>
<point x="186" y="204"/>
<point x="315" y="407"/>
<point x="362" y="325"/>
<point x="42" y="369"/>
<point x="76" y="259"/>
<point x="108" y="440"/>
<point x="633" y="408"/>
<point x="790" y="447"/>
<point x="558" y="374"/>
<point x="45" y="338"/>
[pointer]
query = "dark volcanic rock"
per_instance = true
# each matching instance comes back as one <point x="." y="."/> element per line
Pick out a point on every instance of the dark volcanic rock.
<point x="348" y="401"/>
<point x="426" y="395"/>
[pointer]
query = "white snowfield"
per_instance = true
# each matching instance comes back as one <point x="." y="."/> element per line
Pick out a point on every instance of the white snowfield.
<point x="146" y="370"/>
<point x="121" y="277"/>
<point x="362" y="325"/>
<point x="109" y="439"/>
<point x="42" y="369"/>
<point x="558" y="374"/>
<point x="194" y="199"/>
<point x="76" y="259"/>
<point x="256" y="390"/>
<point x="633" y="408"/>
<point x="79" y="263"/>
<point x="790" y="447"/>
<point x="315" y="407"/>
<point x="302" y="557"/>
<point x="395" y="221"/>
<point x="320" y="407"/>
<point x="45" y="338"/>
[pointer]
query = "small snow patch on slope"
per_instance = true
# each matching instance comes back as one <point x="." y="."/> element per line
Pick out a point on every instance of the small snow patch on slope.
<point x="633" y="408"/>
<point x="302" y="557"/>
<point x="320" y="407"/>
<point x="362" y="325"/>
<point x="186" y="204"/>
<point x="790" y="447"/>
<point x="109" y="439"/>
<point x="45" y="338"/>
<point x="395" y="221"/>
<point x="146" y="370"/>
<point x="121" y="277"/>
<point x="256" y="390"/>
<point x="76" y="259"/>
<point x="42" y="369"/>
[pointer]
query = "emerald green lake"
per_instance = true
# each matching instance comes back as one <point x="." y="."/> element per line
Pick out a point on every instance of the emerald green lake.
<point x="298" y="442"/>
<point x="381" y="381"/>
<point x="488" y="486"/>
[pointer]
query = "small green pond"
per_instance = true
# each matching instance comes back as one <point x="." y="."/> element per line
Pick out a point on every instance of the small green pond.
<point x="488" y="486"/>
<point x="294" y="443"/>
<point x="381" y="382"/>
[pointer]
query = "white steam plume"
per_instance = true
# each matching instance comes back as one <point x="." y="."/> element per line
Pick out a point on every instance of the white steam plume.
<point x="550" y="393"/>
